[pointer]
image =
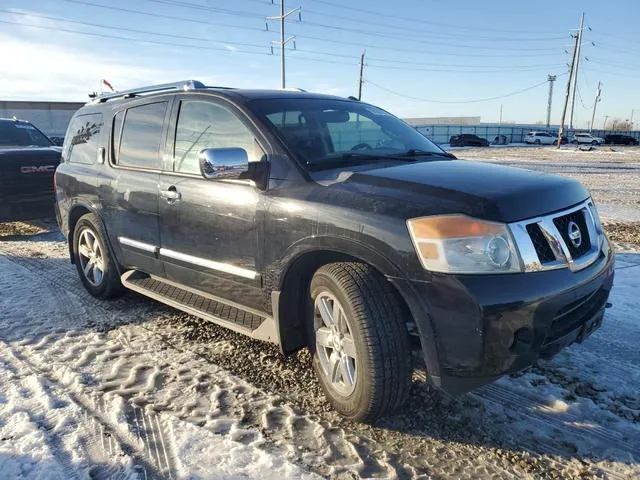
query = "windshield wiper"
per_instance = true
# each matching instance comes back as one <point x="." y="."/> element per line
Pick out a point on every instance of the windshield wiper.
<point x="414" y="152"/>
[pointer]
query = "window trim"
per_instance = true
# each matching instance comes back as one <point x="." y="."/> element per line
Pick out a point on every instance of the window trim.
<point x="243" y="117"/>
<point x="163" y="134"/>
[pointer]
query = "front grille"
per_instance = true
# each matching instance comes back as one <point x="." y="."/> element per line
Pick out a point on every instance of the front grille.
<point x="576" y="313"/>
<point x="540" y="243"/>
<point x="562" y="224"/>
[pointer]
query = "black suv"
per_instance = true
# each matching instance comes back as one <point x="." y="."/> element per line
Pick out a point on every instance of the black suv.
<point x="468" y="140"/>
<point x="323" y="222"/>
<point x="620" y="139"/>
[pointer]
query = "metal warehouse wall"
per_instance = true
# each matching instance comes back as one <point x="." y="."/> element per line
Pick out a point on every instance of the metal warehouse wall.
<point x="515" y="134"/>
<point x="50" y="117"/>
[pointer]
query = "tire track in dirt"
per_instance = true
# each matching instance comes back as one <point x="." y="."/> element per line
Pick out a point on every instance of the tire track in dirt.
<point x="109" y="439"/>
<point x="325" y="449"/>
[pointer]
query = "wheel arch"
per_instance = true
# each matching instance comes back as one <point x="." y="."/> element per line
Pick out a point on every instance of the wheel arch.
<point x="76" y="212"/>
<point x="289" y="295"/>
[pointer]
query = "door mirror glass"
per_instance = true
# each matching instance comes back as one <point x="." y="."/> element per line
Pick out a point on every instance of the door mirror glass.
<point x="223" y="162"/>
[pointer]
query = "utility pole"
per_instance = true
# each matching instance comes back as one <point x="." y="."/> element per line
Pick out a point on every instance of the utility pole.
<point x="361" y="81"/>
<point x="575" y="79"/>
<point x="550" y="78"/>
<point x="595" y="103"/>
<point x="282" y="17"/>
<point x="606" y="117"/>
<point x="500" y="114"/>
<point x="631" y="118"/>
<point x="567" y="94"/>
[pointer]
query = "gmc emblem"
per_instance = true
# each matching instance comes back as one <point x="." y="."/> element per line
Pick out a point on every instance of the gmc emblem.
<point x="40" y="169"/>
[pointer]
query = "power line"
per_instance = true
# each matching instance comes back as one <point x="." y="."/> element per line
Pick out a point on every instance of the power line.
<point x="203" y="8"/>
<point x="421" y="38"/>
<point x="420" y="50"/>
<point x="309" y="37"/>
<point x="415" y="20"/>
<point x="581" y="100"/>
<point x="400" y="36"/>
<point x="456" y="101"/>
<point x="132" y="30"/>
<point x="459" y="67"/>
<point x="432" y="33"/>
<point x="158" y="15"/>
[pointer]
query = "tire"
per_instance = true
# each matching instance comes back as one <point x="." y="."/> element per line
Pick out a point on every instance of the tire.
<point x="89" y="232"/>
<point x="372" y="341"/>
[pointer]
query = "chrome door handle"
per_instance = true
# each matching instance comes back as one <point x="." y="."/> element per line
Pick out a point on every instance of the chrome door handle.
<point x="170" y="195"/>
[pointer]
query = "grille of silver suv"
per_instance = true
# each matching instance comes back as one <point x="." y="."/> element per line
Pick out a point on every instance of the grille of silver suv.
<point x="571" y="238"/>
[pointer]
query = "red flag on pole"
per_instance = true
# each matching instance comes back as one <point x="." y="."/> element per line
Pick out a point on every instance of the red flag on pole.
<point x="108" y="85"/>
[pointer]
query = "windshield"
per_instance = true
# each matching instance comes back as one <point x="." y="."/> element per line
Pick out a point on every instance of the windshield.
<point x="322" y="132"/>
<point x="21" y="134"/>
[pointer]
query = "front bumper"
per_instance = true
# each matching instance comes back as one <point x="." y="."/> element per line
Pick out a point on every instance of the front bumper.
<point x="475" y="328"/>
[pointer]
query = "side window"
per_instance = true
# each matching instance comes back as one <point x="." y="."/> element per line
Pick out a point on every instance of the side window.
<point x="83" y="139"/>
<point x="208" y="125"/>
<point x="141" y="136"/>
<point x="115" y="135"/>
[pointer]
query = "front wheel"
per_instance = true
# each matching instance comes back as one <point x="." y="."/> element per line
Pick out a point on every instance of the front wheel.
<point x="359" y="342"/>
<point x="93" y="259"/>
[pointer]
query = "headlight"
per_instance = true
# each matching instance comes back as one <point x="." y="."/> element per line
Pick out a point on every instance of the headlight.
<point x="460" y="244"/>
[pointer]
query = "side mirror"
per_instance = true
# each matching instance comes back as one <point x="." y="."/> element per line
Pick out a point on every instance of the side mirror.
<point x="223" y="162"/>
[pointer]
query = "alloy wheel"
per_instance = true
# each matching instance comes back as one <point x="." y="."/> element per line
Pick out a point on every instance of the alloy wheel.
<point x="335" y="346"/>
<point x="91" y="257"/>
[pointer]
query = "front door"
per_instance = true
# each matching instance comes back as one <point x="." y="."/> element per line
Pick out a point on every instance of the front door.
<point x="129" y="189"/>
<point x="209" y="228"/>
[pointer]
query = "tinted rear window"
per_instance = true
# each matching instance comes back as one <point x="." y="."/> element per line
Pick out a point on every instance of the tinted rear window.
<point x="83" y="137"/>
<point x="21" y="134"/>
<point x="141" y="136"/>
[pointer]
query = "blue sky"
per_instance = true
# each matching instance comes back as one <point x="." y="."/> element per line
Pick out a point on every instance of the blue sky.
<point x="424" y="57"/>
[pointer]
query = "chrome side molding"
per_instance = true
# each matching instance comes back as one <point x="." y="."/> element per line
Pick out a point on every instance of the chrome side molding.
<point x="146" y="247"/>
<point x="211" y="264"/>
<point x="183" y="257"/>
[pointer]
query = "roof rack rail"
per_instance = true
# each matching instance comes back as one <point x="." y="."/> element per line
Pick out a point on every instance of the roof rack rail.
<point x="183" y="85"/>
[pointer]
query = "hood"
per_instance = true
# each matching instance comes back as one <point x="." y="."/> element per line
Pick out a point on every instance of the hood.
<point x="478" y="189"/>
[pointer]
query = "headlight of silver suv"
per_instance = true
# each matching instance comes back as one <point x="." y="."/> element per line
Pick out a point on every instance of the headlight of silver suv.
<point x="461" y="244"/>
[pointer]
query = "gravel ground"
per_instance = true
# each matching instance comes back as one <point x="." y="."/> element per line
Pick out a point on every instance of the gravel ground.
<point x="525" y="426"/>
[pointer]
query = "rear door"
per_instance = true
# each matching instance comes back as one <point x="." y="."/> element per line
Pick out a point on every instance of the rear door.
<point x="210" y="235"/>
<point x="130" y="190"/>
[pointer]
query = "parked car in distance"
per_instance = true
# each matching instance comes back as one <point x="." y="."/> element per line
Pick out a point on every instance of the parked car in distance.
<point x="468" y="140"/>
<point x="620" y="139"/>
<point x="322" y="222"/>
<point x="500" y="140"/>
<point x="540" y="138"/>
<point x="586" y="138"/>
<point x="28" y="160"/>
